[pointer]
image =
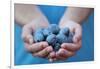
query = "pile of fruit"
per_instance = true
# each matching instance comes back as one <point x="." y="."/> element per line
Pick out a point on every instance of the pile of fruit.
<point x="53" y="35"/>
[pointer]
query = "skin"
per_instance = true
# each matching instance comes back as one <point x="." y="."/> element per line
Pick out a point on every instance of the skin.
<point x="72" y="18"/>
<point x="69" y="49"/>
<point x="32" y="18"/>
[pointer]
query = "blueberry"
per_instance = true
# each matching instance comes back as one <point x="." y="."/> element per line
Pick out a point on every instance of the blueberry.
<point x="38" y="35"/>
<point x="46" y="32"/>
<point x="64" y="31"/>
<point x="56" y="47"/>
<point x="61" y="38"/>
<point x="70" y="37"/>
<point x="51" y="39"/>
<point x="39" y="30"/>
<point x="54" y="28"/>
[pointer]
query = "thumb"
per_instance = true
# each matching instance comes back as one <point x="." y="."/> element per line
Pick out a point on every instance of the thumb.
<point x="78" y="34"/>
<point x="28" y="38"/>
<point x="27" y="35"/>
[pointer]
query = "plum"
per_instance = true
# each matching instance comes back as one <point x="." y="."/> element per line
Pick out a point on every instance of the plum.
<point x="51" y="39"/>
<point x="46" y="32"/>
<point x="54" y="36"/>
<point x="57" y="46"/>
<point x="54" y="28"/>
<point x="61" y="38"/>
<point x="38" y="35"/>
<point x="65" y="31"/>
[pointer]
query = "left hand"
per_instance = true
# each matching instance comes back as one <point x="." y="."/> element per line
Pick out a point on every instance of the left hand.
<point x="39" y="49"/>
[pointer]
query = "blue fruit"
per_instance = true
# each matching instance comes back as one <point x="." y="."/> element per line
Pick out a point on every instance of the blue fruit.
<point x="51" y="39"/>
<point x="38" y="35"/>
<point x="54" y="36"/>
<point x="54" y="28"/>
<point x="56" y="47"/>
<point x="39" y="30"/>
<point x="61" y="38"/>
<point x="46" y="32"/>
<point x="64" y="31"/>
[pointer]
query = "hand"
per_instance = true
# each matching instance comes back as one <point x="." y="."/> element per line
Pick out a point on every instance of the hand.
<point x="41" y="49"/>
<point x="69" y="49"/>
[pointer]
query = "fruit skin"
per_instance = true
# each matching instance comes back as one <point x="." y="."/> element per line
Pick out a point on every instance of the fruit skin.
<point x="65" y="31"/>
<point x="38" y="35"/>
<point x="57" y="46"/>
<point x="61" y="38"/>
<point x="40" y="30"/>
<point x="54" y="36"/>
<point x="51" y="39"/>
<point x="54" y="28"/>
<point x="46" y="32"/>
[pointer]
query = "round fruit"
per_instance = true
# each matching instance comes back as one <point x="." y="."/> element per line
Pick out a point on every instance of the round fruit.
<point x="65" y="31"/>
<point x="56" y="47"/>
<point x="54" y="36"/>
<point x="38" y="35"/>
<point x="51" y="39"/>
<point x="61" y="38"/>
<point x="40" y="30"/>
<point x="46" y="32"/>
<point x="54" y="28"/>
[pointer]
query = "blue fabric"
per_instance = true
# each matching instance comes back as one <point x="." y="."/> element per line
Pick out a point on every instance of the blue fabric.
<point x="54" y="13"/>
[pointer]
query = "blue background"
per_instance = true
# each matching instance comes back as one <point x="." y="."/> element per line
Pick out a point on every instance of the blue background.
<point x="54" y="13"/>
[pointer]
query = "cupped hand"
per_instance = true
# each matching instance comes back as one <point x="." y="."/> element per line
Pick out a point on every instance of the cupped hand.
<point x="69" y="49"/>
<point x="40" y="49"/>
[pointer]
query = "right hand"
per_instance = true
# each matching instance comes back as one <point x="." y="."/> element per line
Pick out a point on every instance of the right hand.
<point x="69" y="49"/>
<point x="40" y="49"/>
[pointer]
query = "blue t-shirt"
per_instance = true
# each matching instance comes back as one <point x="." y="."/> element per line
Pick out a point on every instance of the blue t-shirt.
<point x="53" y="14"/>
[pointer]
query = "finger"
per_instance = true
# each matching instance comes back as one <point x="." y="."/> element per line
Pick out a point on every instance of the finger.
<point x="27" y="34"/>
<point x="71" y="46"/>
<point x="44" y="52"/>
<point x="36" y="46"/>
<point x="64" y="53"/>
<point x="52" y="55"/>
<point x="28" y="38"/>
<point x="59" y="57"/>
<point x="78" y="34"/>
